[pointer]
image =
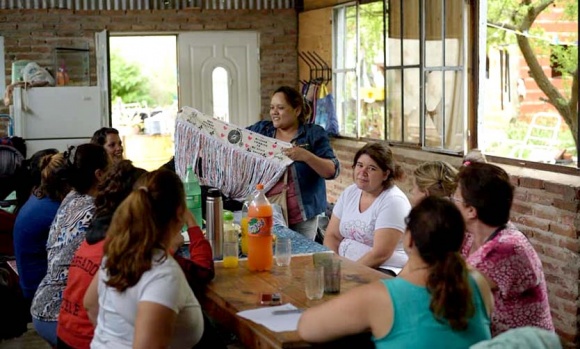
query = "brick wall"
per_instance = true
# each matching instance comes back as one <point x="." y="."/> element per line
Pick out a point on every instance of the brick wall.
<point x="33" y="35"/>
<point x="546" y="209"/>
<point x="554" y="25"/>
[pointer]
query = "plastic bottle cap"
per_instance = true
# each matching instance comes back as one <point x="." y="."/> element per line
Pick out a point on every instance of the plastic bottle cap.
<point x="260" y="186"/>
<point x="214" y="193"/>
<point x="228" y="216"/>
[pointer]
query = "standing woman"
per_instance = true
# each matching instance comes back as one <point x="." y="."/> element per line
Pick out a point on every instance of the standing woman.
<point x="368" y="220"/>
<point x="34" y="219"/>
<point x="435" y="302"/>
<point x="66" y="234"/>
<point x="502" y="253"/>
<point x="140" y="297"/>
<point x="314" y="159"/>
<point x="108" y="137"/>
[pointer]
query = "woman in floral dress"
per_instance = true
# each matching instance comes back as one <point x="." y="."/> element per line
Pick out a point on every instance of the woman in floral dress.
<point x="499" y="251"/>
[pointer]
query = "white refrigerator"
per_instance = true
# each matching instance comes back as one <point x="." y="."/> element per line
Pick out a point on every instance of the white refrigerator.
<point x="57" y="117"/>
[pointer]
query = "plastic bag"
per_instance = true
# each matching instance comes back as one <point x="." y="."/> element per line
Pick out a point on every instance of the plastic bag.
<point x="33" y="73"/>
<point x="325" y="112"/>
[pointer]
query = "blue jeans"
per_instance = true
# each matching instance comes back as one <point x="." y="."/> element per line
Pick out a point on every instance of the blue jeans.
<point x="307" y="228"/>
<point x="46" y="329"/>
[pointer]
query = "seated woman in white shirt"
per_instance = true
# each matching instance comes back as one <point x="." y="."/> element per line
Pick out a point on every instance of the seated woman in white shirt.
<point x="140" y="297"/>
<point x="368" y="220"/>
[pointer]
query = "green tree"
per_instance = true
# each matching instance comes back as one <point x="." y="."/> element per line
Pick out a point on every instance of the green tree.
<point x="519" y="16"/>
<point x="127" y="81"/>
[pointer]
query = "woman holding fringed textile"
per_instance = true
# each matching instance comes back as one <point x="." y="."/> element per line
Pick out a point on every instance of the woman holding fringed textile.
<point x="314" y="159"/>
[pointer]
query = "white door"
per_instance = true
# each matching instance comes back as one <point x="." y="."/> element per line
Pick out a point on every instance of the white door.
<point x="219" y="68"/>
<point x="103" y="75"/>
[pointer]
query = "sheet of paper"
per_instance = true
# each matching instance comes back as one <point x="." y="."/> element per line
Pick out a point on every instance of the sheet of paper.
<point x="275" y="323"/>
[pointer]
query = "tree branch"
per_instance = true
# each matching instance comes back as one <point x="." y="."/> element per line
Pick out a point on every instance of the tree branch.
<point x="536" y="70"/>
<point x="564" y="107"/>
<point x="573" y="104"/>
<point x="533" y="13"/>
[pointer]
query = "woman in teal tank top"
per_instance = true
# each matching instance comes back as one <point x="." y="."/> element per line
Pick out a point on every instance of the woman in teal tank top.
<point x="435" y="302"/>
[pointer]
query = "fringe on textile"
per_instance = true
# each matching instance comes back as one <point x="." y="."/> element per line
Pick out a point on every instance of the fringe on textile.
<point x="227" y="167"/>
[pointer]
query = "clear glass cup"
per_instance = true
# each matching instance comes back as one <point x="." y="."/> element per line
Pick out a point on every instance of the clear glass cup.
<point x="314" y="283"/>
<point x="231" y="253"/>
<point x="332" y="275"/>
<point x="283" y="252"/>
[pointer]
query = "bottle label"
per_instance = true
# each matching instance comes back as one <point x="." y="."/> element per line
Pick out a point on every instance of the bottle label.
<point x="193" y="201"/>
<point x="260" y="226"/>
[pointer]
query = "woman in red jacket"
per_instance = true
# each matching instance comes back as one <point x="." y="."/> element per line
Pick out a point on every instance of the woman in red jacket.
<point x="75" y="330"/>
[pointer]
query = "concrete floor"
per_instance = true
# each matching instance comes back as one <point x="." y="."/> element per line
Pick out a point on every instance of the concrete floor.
<point x="31" y="340"/>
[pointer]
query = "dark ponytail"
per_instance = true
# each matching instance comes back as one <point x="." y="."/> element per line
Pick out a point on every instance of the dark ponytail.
<point x="87" y="159"/>
<point x="438" y="229"/>
<point x="450" y="291"/>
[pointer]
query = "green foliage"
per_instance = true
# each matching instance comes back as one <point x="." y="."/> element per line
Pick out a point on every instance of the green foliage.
<point x="127" y="81"/>
<point x="371" y="30"/>
<point x="371" y="46"/>
<point x="512" y="12"/>
<point x="571" y="10"/>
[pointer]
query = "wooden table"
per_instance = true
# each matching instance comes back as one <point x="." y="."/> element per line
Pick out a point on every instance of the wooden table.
<point x="235" y="290"/>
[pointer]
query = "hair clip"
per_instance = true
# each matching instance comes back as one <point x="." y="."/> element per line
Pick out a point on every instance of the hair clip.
<point x="144" y="189"/>
<point x="466" y="163"/>
<point x="67" y="153"/>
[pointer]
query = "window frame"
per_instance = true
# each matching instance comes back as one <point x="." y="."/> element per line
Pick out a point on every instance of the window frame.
<point x="3" y="70"/>
<point x="479" y="16"/>
<point x="345" y="70"/>
<point x="467" y="79"/>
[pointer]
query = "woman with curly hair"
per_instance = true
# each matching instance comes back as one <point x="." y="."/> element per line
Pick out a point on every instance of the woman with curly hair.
<point x="140" y="298"/>
<point x="435" y="302"/>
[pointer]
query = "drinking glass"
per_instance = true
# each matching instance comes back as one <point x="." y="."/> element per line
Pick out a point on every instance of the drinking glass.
<point x="332" y="275"/>
<point x="283" y="252"/>
<point x="314" y="283"/>
<point x="231" y="252"/>
<point x="319" y="258"/>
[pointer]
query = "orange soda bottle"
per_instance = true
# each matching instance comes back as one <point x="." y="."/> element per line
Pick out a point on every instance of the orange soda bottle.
<point x="260" y="223"/>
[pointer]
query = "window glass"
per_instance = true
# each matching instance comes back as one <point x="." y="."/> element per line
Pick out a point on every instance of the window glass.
<point x="372" y="79"/>
<point x="221" y="94"/>
<point x="406" y="83"/>
<point x="531" y="104"/>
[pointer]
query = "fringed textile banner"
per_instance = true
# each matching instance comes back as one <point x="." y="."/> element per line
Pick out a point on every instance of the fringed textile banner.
<point x="233" y="159"/>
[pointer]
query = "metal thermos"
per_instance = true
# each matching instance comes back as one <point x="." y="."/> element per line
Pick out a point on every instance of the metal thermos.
<point x="214" y="221"/>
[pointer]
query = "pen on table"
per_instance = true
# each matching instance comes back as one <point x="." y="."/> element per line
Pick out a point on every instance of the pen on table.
<point x="287" y="311"/>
